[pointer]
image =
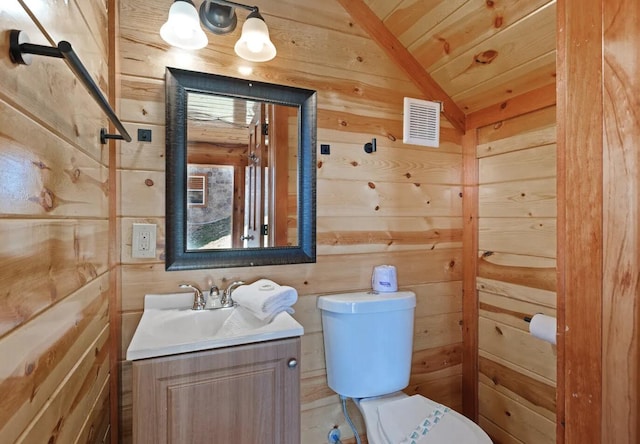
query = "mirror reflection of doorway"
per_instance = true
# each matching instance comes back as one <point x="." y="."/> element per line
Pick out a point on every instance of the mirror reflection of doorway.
<point x="257" y="141"/>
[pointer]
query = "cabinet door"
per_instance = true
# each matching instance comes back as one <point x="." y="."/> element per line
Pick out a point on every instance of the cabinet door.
<point x="241" y="395"/>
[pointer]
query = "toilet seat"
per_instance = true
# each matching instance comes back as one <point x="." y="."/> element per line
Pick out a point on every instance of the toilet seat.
<point x="390" y="419"/>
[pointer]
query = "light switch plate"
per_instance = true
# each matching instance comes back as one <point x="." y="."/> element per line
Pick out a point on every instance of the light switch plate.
<point x="143" y="243"/>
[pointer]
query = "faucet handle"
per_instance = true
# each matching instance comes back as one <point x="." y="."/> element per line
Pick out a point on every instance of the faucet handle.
<point x="198" y="299"/>
<point x="232" y="286"/>
<point x="227" y="300"/>
<point x="193" y="287"/>
<point x="185" y="285"/>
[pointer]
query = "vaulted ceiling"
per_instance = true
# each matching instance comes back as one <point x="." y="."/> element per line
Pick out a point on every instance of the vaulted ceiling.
<point x="479" y="52"/>
<point x="469" y="54"/>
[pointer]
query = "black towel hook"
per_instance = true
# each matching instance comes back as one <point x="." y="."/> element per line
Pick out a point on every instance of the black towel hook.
<point x="370" y="147"/>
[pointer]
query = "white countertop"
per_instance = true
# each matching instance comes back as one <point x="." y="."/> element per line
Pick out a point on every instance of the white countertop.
<point x="169" y="326"/>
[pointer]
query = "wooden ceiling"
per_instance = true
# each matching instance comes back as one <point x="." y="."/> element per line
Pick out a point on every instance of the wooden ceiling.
<point x="469" y="54"/>
<point x="220" y="120"/>
<point x="479" y="52"/>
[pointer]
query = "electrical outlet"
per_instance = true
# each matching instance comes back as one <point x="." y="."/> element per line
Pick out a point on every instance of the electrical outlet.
<point x="143" y="243"/>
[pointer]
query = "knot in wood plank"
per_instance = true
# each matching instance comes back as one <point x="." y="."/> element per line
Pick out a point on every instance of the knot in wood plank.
<point x="29" y="368"/>
<point x="446" y="47"/>
<point x="74" y="175"/>
<point x="41" y="165"/>
<point x="47" y="199"/>
<point x="486" y="57"/>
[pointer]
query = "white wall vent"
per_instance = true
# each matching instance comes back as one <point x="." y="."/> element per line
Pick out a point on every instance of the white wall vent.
<point x="421" y="122"/>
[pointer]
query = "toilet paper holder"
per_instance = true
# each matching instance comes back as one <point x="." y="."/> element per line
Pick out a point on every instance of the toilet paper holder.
<point x="527" y="319"/>
<point x="543" y="327"/>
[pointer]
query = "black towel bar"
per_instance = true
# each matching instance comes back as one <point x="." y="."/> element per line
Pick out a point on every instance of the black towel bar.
<point x="19" y="46"/>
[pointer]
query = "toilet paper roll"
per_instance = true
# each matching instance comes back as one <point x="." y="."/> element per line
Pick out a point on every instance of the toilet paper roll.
<point x="384" y="279"/>
<point x="543" y="327"/>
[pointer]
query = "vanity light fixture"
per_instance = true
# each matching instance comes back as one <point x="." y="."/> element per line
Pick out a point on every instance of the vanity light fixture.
<point x="182" y="28"/>
<point x="219" y="17"/>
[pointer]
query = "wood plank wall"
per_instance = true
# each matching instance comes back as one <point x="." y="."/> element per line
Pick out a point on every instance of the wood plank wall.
<point x="54" y="231"/>
<point x="516" y="276"/>
<point x="400" y="205"/>
<point x="598" y="182"/>
<point x="621" y="233"/>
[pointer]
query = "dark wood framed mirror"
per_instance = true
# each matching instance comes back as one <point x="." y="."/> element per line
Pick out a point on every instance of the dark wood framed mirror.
<point x="240" y="172"/>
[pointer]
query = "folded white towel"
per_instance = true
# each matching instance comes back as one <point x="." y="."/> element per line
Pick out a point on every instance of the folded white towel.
<point x="240" y="322"/>
<point x="265" y="299"/>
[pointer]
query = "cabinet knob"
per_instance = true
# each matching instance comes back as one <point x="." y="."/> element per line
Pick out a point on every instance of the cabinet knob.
<point x="293" y="363"/>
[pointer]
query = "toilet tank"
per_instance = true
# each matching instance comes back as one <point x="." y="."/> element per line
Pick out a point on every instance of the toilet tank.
<point x="368" y="341"/>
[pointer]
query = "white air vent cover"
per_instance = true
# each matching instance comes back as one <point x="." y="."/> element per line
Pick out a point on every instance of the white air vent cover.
<point x="421" y="122"/>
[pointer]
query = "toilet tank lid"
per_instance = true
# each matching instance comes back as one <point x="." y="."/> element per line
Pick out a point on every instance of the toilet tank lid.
<point x="367" y="302"/>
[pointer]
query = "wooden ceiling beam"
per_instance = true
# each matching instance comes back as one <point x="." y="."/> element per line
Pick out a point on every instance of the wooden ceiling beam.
<point x="377" y="30"/>
<point x="524" y="103"/>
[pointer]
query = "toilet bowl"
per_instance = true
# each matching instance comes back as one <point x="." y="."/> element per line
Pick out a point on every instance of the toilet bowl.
<point x="368" y="340"/>
<point x="399" y="418"/>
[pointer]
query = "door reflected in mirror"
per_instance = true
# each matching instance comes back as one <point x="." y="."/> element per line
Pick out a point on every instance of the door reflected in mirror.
<point x="242" y="173"/>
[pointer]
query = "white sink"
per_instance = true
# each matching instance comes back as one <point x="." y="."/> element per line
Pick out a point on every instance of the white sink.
<point x="169" y="326"/>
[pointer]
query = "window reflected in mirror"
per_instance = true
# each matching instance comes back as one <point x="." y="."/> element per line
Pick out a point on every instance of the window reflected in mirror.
<point x="209" y="206"/>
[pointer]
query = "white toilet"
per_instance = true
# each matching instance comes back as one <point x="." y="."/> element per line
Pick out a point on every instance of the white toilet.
<point x="368" y="341"/>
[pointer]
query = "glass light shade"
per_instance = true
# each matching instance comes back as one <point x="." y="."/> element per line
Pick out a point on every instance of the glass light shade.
<point x="254" y="44"/>
<point x="182" y="28"/>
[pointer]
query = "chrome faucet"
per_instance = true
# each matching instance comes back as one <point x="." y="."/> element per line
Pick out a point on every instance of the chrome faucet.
<point x="226" y="300"/>
<point x="199" y="302"/>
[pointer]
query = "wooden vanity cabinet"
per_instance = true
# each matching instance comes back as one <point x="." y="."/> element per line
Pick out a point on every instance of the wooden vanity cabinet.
<point x="247" y="394"/>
